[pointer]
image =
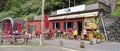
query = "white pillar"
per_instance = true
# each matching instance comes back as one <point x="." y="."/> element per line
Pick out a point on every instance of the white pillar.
<point x="42" y="24"/>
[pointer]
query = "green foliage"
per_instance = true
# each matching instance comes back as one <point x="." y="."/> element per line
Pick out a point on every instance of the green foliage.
<point x="97" y="32"/>
<point x="102" y="36"/>
<point x="53" y="5"/>
<point x="25" y="26"/>
<point x="28" y="16"/>
<point x="13" y="3"/>
<point x="117" y="10"/>
<point x="90" y="1"/>
<point x="24" y="8"/>
<point x="96" y="20"/>
<point x="94" y="32"/>
<point x="6" y="14"/>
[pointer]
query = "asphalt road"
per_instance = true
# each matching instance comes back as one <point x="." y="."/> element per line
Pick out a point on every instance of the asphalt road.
<point x="21" y="48"/>
<point x="68" y="45"/>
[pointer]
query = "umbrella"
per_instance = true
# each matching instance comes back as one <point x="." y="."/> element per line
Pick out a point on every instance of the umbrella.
<point x="11" y="31"/>
<point x="19" y="26"/>
<point x="46" y="21"/>
<point x="6" y="28"/>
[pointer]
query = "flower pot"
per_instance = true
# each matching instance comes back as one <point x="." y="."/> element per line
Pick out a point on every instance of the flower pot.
<point x="98" y="38"/>
<point x="98" y="41"/>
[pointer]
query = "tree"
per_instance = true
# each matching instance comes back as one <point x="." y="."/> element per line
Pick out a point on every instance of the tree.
<point x="13" y="3"/>
<point x="24" y="8"/>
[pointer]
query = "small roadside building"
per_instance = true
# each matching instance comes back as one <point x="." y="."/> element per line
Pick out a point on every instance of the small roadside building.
<point x="86" y="16"/>
<point x="81" y="16"/>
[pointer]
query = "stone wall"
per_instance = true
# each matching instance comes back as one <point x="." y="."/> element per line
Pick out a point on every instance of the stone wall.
<point x="113" y="28"/>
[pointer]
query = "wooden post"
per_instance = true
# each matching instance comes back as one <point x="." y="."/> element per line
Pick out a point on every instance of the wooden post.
<point x="26" y="36"/>
<point x="15" y="39"/>
<point x="82" y="41"/>
<point x="25" y="40"/>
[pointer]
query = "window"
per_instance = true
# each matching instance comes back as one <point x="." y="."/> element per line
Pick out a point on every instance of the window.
<point x="32" y="28"/>
<point x="68" y="25"/>
<point x="56" y="25"/>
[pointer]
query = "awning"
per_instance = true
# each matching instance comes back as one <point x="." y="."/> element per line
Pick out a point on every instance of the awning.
<point x="90" y="14"/>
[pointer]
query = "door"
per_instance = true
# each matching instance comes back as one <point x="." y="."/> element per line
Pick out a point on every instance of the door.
<point x="79" y="27"/>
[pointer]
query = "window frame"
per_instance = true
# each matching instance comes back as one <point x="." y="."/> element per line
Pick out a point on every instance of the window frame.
<point x="66" y="23"/>
<point x="55" y="25"/>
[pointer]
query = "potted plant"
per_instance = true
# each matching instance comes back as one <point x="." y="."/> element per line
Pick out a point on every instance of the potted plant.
<point x="97" y="35"/>
<point x="102" y="38"/>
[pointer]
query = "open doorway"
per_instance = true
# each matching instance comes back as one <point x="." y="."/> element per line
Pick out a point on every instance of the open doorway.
<point x="79" y="27"/>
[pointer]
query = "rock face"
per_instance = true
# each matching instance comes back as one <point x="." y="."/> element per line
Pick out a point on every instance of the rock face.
<point x="113" y="30"/>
